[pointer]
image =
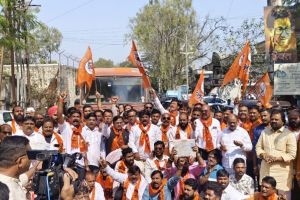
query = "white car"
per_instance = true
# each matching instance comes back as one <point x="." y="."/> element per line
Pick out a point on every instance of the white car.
<point x="213" y="100"/>
<point x="5" y="116"/>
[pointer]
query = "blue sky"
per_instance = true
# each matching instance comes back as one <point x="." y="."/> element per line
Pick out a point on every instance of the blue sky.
<point x="102" y="24"/>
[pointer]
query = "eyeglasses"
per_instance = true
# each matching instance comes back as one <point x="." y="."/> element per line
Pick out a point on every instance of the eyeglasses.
<point x="148" y="107"/>
<point x="166" y="118"/>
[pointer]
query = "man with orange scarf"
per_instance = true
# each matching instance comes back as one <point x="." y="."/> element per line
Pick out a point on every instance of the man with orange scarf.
<point x="143" y="137"/>
<point x="71" y="133"/>
<point x="118" y="136"/>
<point x="16" y="122"/>
<point x="106" y="182"/>
<point x="133" y="182"/>
<point x="95" y="189"/>
<point x="190" y="190"/>
<point x="268" y="190"/>
<point x="166" y="131"/>
<point x="157" y="162"/>
<point x="207" y="132"/>
<point x="160" y="188"/>
<point x="52" y="138"/>
<point x="190" y="169"/>
<point x="173" y="108"/>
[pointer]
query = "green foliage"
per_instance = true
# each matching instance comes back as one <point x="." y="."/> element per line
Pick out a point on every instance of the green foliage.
<point x="126" y="63"/>
<point x="161" y="29"/>
<point x="102" y="62"/>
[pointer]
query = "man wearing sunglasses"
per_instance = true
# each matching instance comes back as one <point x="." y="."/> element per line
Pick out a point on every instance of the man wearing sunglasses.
<point x="166" y="130"/>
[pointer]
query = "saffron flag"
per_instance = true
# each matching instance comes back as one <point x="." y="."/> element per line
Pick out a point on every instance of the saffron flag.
<point x="136" y="61"/>
<point x="198" y="91"/>
<point x="240" y="68"/>
<point x="86" y="71"/>
<point x="263" y="90"/>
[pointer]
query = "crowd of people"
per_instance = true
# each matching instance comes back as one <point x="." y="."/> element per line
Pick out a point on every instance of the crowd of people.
<point x="240" y="153"/>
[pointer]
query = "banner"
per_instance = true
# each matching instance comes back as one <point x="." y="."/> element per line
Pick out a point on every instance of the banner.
<point x="280" y="34"/>
<point x="287" y="79"/>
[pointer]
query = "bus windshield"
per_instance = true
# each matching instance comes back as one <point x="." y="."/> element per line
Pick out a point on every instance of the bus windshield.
<point x="128" y="89"/>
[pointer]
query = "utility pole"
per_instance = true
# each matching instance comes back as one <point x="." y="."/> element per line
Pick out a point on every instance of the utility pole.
<point x="60" y="79"/>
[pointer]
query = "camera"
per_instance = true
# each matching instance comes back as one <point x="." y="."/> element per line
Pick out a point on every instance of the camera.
<point x="48" y="181"/>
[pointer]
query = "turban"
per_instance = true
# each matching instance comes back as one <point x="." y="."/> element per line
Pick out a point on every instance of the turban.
<point x="52" y="110"/>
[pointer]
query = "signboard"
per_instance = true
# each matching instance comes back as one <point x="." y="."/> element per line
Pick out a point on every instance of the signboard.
<point x="280" y="31"/>
<point x="184" y="148"/>
<point x="287" y="79"/>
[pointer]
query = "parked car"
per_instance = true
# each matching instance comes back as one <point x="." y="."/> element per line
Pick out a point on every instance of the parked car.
<point x="5" y="116"/>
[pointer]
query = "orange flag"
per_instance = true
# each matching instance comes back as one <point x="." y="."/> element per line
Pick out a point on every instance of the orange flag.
<point x="240" y="68"/>
<point x="263" y="90"/>
<point x="86" y="71"/>
<point x="198" y="91"/>
<point x="136" y="61"/>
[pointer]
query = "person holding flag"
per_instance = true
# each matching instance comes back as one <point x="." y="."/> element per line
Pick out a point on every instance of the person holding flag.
<point x="198" y="91"/>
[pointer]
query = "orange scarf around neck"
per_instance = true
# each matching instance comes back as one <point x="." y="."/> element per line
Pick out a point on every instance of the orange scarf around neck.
<point x="206" y="134"/>
<point x="188" y="131"/>
<point x="164" y="132"/>
<point x="135" y="195"/>
<point x="173" y="116"/>
<point x="181" y="182"/>
<point x="93" y="193"/>
<point x="105" y="182"/>
<point x="159" y="191"/>
<point x="272" y="197"/>
<point x="144" y="138"/>
<point x="122" y="168"/>
<point x="197" y="196"/>
<point x="77" y="140"/>
<point x="223" y="125"/>
<point x="13" y="126"/>
<point x="118" y="141"/>
<point x="157" y="163"/>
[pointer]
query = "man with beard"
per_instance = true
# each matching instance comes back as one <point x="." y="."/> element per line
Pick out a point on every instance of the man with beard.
<point x="71" y="133"/>
<point x="133" y="182"/>
<point x="196" y="114"/>
<point x="190" y="168"/>
<point x="36" y="140"/>
<point x="265" y="117"/>
<point x="240" y="180"/>
<point x="87" y="109"/>
<point x="166" y="131"/>
<point x="52" y="113"/>
<point x="234" y="143"/>
<point x="207" y="131"/>
<point x="161" y="188"/>
<point x="212" y="191"/>
<point x="5" y="130"/>
<point x="294" y="122"/>
<point x="53" y="139"/>
<point x="229" y="192"/>
<point x="95" y="189"/>
<point x="143" y="137"/>
<point x="184" y="129"/>
<point x="173" y="108"/>
<point x="39" y="119"/>
<point x="277" y="147"/>
<point x="148" y="106"/>
<point x="155" y="117"/>
<point x="93" y="137"/>
<point x="118" y="137"/>
<point x="18" y="116"/>
<point x="190" y="190"/>
<point x="158" y="162"/>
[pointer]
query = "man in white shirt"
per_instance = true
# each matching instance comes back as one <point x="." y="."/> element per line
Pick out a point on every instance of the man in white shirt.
<point x="93" y="139"/>
<point x="71" y="133"/>
<point x="14" y="162"/>
<point x="184" y="129"/>
<point x="134" y="183"/>
<point x="16" y="122"/>
<point x="158" y="162"/>
<point x="95" y="189"/>
<point x="240" y="180"/>
<point x="207" y="132"/>
<point x="234" y="143"/>
<point x="37" y="141"/>
<point x="54" y="140"/>
<point x="229" y="192"/>
<point x="167" y="130"/>
<point x="143" y="137"/>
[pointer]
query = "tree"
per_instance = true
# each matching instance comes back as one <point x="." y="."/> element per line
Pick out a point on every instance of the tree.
<point x="126" y="63"/>
<point x="44" y="42"/>
<point x="102" y="62"/>
<point x="162" y="29"/>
